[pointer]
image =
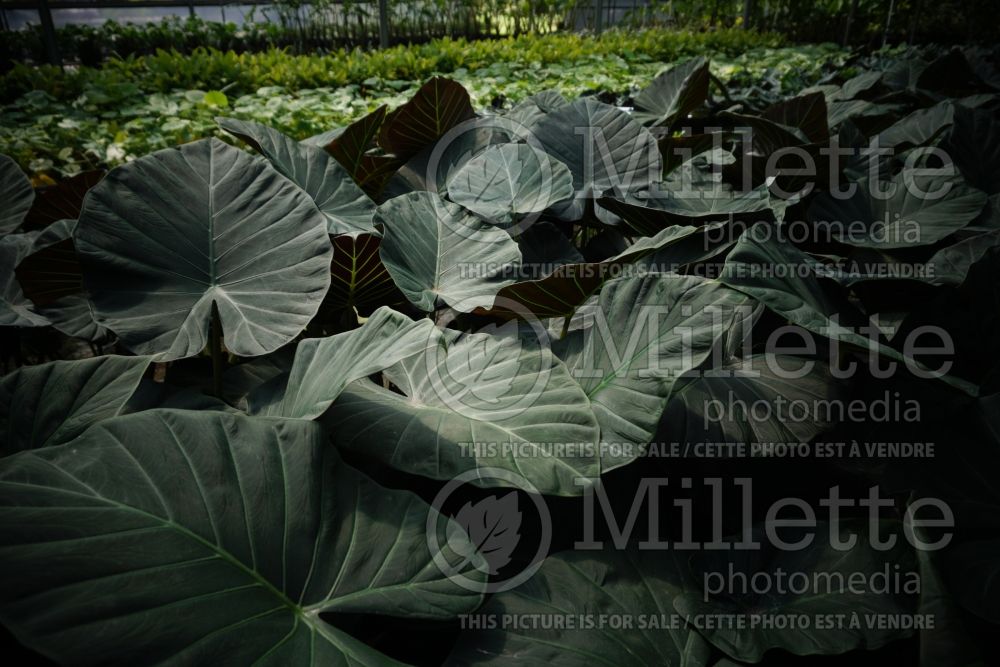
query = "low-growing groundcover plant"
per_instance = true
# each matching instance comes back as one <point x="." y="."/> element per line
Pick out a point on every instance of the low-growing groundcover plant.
<point x="57" y="122"/>
<point x="690" y="383"/>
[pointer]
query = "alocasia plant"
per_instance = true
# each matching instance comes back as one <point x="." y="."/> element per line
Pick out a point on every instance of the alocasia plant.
<point x="239" y="381"/>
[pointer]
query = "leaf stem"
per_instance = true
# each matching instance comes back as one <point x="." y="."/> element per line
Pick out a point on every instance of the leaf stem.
<point x="565" y="326"/>
<point x="215" y="347"/>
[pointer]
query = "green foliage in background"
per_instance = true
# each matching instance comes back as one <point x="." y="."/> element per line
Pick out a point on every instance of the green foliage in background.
<point x="77" y="120"/>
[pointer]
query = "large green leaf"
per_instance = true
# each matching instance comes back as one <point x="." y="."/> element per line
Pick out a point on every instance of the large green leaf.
<point x="435" y="250"/>
<point x="673" y="94"/>
<point x="562" y="291"/>
<point x="16" y="195"/>
<point x="785" y="279"/>
<point x="475" y="401"/>
<point x="163" y="238"/>
<point x="643" y="334"/>
<point x="766" y="398"/>
<point x="509" y="179"/>
<point x="53" y="403"/>
<point x="207" y="534"/>
<point x="324" y="366"/>
<point x="633" y="586"/>
<point x="919" y="127"/>
<point x="649" y="214"/>
<point x="821" y="562"/>
<point x="806" y="113"/>
<point x="603" y="147"/>
<point x="948" y="266"/>
<point x="909" y="216"/>
<point x="347" y="208"/>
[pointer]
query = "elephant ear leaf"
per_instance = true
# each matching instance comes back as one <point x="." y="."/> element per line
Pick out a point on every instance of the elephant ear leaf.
<point x="674" y="93"/>
<point x="347" y="208"/>
<point x="629" y="357"/>
<point x="351" y="149"/>
<point x="510" y="179"/>
<point x="629" y="583"/>
<point x="53" y="403"/>
<point x="358" y="277"/>
<point x="16" y="195"/>
<point x="220" y="534"/>
<point x="323" y="367"/>
<point x="61" y="201"/>
<point x="438" y="106"/>
<point x="615" y="151"/>
<point x="164" y="238"/>
<point x="825" y="560"/>
<point x="806" y="113"/>
<point x="974" y="144"/>
<point x="477" y="388"/>
<point x="919" y="210"/>
<point x="431" y="245"/>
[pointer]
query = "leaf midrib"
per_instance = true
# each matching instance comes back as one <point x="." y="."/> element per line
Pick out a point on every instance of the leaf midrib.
<point x="259" y="579"/>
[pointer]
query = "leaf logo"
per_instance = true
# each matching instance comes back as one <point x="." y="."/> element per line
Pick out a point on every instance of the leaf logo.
<point x="493" y="526"/>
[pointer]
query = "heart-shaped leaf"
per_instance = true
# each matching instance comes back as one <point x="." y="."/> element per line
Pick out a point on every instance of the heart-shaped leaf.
<point x="673" y="94"/>
<point x="53" y="403"/>
<point x="630" y="586"/>
<point x="347" y="208"/>
<point x="474" y="401"/>
<point x="643" y="334"/>
<point x="510" y="179"/>
<point x="207" y="534"/>
<point x="435" y="250"/>
<point x="163" y="238"/>
<point x="604" y="148"/>
<point x="919" y="209"/>
<point x="324" y="366"/>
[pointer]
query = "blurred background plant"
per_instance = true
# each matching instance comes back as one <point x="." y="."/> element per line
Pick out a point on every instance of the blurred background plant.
<point x="323" y="26"/>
